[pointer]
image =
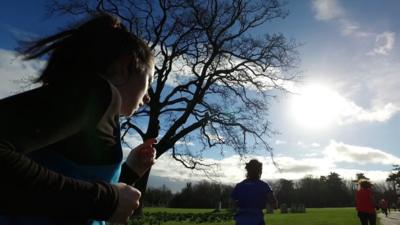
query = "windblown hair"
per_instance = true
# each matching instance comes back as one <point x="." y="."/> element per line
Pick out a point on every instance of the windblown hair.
<point x="364" y="183"/>
<point x="89" y="49"/>
<point x="254" y="169"/>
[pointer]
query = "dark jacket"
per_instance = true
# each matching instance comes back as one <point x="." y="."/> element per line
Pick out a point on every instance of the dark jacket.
<point x="78" y="120"/>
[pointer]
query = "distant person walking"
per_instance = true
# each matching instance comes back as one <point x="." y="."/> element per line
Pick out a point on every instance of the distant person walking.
<point x="398" y="203"/>
<point x="251" y="196"/>
<point x="365" y="203"/>
<point x="383" y="205"/>
<point x="393" y="206"/>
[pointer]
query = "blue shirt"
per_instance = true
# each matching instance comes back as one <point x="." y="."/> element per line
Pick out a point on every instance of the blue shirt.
<point x="251" y="198"/>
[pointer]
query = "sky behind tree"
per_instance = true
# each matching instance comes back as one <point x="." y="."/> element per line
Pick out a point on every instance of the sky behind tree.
<point x="342" y="116"/>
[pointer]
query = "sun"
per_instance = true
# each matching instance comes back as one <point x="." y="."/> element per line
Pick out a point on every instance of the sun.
<point x="315" y="106"/>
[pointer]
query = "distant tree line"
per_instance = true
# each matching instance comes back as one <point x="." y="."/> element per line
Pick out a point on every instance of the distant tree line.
<point x="200" y="195"/>
<point x="158" y="197"/>
<point x="325" y="191"/>
<point x="394" y="178"/>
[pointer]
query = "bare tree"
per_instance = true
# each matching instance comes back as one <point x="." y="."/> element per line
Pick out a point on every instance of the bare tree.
<point x="394" y="178"/>
<point x="216" y="71"/>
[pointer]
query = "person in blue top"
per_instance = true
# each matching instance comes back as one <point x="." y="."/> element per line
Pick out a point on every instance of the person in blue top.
<point x="251" y="196"/>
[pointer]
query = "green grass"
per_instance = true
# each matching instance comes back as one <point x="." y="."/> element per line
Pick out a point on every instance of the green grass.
<point x="325" y="216"/>
<point x="322" y="216"/>
<point x="176" y="210"/>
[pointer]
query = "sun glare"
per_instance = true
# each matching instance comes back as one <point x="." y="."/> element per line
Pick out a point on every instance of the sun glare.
<point x="315" y="106"/>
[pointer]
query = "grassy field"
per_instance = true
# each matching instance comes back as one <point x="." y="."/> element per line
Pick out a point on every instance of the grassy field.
<point x="323" y="216"/>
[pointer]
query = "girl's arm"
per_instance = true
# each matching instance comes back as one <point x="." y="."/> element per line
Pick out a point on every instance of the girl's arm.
<point x="38" y="118"/>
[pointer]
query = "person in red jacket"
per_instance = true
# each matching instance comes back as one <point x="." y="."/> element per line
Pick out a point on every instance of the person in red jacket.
<point x="383" y="204"/>
<point x="365" y="203"/>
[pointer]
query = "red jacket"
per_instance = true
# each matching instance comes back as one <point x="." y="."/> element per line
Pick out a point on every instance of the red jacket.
<point x="383" y="204"/>
<point x="365" y="201"/>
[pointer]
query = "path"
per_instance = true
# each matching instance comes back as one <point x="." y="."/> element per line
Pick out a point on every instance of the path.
<point x="393" y="218"/>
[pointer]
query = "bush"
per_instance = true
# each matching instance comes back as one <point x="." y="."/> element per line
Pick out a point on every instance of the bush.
<point x="283" y="207"/>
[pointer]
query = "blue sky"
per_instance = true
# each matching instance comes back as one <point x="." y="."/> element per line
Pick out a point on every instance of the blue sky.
<point x="343" y="117"/>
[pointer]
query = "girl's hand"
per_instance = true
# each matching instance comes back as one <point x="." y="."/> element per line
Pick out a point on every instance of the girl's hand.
<point x="141" y="158"/>
<point x="128" y="201"/>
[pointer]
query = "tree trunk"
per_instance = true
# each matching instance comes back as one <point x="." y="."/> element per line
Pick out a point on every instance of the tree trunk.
<point x="141" y="185"/>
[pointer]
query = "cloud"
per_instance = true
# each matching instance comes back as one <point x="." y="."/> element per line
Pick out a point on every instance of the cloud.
<point x="374" y="175"/>
<point x="189" y="143"/>
<point x="352" y="29"/>
<point x="331" y="10"/>
<point x="353" y="113"/>
<point x="316" y="166"/>
<point x="18" y="34"/>
<point x="340" y="152"/>
<point x="311" y="154"/>
<point x="384" y="83"/>
<point x="315" y="145"/>
<point x="327" y="9"/>
<point x="384" y="43"/>
<point x="172" y="184"/>
<point x="301" y="144"/>
<point x="302" y="166"/>
<point x="319" y="105"/>
<point x="280" y="142"/>
<point x="130" y="142"/>
<point x="304" y="145"/>
<point x="16" y="75"/>
<point x="231" y="169"/>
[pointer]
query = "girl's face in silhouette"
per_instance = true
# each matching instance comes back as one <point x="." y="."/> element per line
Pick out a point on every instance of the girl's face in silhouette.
<point x="132" y="85"/>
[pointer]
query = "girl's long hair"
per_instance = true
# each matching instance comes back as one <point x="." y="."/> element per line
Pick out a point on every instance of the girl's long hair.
<point x="88" y="49"/>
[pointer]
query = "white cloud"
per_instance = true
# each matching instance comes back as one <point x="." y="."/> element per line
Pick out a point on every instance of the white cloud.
<point x="327" y="9"/>
<point x="352" y="113"/>
<point x="300" y="144"/>
<point x="302" y="166"/>
<point x="18" y="34"/>
<point x="315" y="145"/>
<point x="311" y="155"/>
<point x="373" y="80"/>
<point x="319" y="105"/>
<point x="304" y="145"/>
<point x="331" y="10"/>
<point x="15" y="74"/>
<point x="384" y="83"/>
<point x="316" y="166"/>
<point x="384" y="43"/>
<point x="340" y="152"/>
<point x="130" y="142"/>
<point x="352" y="29"/>
<point x="166" y="166"/>
<point x="374" y="175"/>
<point x="216" y="138"/>
<point x="280" y="142"/>
<point x="184" y="143"/>
<point x="231" y="169"/>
